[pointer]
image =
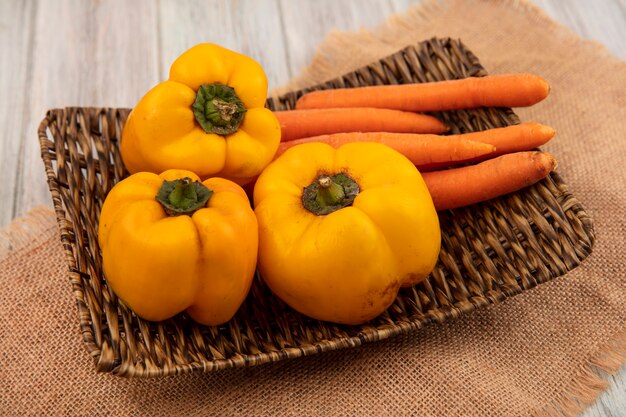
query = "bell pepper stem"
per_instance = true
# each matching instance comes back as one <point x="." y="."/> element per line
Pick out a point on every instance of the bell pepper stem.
<point x="183" y="196"/>
<point x="218" y="109"/>
<point x="329" y="193"/>
<point x="183" y="191"/>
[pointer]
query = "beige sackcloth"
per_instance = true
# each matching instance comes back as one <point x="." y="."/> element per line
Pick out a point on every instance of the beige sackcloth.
<point x="544" y="352"/>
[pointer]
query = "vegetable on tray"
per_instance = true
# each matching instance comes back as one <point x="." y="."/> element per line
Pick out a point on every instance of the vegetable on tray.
<point x="512" y="90"/>
<point x="514" y="138"/>
<point x="171" y="243"/>
<point x="457" y="187"/>
<point x="297" y="124"/>
<point x="341" y="230"/>
<point x="421" y="149"/>
<point x="428" y="151"/>
<point x="209" y="118"/>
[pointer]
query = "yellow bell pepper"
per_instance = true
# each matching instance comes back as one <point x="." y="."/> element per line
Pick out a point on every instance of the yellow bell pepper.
<point x="209" y="118"/>
<point x="170" y="243"/>
<point x="341" y="230"/>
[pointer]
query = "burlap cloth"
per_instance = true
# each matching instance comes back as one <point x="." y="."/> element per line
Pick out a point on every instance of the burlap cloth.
<point x="543" y="352"/>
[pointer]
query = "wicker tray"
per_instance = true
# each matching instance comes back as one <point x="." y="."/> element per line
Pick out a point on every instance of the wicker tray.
<point x="489" y="251"/>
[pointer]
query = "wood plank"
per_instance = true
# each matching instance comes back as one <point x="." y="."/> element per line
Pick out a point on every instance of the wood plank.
<point x="16" y="35"/>
<point x="84" y="54"/>
<point x="250" y="27"/>
<point x="322" y="17"/>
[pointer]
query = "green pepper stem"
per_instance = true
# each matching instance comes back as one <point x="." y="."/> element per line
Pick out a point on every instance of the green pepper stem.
<point x="183" y="196"/>
<point x="218" y="109"/>
<point x="329" y="193"/>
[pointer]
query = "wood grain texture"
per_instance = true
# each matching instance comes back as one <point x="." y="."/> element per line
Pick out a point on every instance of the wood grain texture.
<point x="324" y="16"/>
<point x="84" y="54"/>
<point x="241" y="25"/>
<point x="16" y="31"/>
<point x="99" y="53"/>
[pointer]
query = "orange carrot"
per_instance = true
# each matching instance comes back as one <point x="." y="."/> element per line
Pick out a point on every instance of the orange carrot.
<point x="422" y="150"/>
<point x="514" y="90"/>
<point x="505" y="174"/>
<point x="297" y="124"/>
<point x="515" y="138"/>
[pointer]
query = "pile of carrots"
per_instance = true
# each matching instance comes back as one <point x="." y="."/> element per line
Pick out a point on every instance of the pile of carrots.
<point x="505" y="160"/>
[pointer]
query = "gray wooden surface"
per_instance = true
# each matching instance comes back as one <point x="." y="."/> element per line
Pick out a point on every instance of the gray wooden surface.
<point x="56" y="53"/>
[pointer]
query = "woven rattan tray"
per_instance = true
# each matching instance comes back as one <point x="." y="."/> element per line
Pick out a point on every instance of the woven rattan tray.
<point x="489" y="251"/>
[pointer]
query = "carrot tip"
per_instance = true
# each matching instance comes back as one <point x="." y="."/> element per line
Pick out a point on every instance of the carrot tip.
<point x="550" y="161"/>
<point x="555" y="163"/>
<point x="546" y="131"/>
<point x="545" y="83"/>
